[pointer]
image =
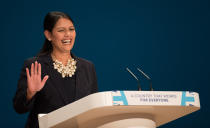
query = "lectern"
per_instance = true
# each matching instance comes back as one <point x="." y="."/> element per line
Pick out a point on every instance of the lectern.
<point x="123" y="109"/>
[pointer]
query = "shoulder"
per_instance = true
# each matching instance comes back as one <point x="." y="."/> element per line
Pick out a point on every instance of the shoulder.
<point x="81" y="62"/>
<point x="30" y="60"/>
<point x="39" y="59"/>
<point x="84" y="61"/>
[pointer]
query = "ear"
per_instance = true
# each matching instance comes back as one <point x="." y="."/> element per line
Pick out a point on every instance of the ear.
<point x="47" y="35"/>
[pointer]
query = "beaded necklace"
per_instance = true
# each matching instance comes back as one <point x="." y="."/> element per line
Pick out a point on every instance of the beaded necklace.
<point x="66" y="71"/>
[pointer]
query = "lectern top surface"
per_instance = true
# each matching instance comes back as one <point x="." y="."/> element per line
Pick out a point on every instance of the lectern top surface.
<point x="160" y="106"/>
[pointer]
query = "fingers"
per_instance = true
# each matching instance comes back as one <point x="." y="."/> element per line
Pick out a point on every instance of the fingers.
<point x="27" y="73"/>
<point x="44" y="80"/>
<point x="35" y="67"/>
<point x="39" y="69"/>
<point x="32" y="69"/>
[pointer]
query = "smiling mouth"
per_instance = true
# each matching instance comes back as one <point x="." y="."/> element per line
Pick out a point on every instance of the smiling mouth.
<point x="66" y="41"/>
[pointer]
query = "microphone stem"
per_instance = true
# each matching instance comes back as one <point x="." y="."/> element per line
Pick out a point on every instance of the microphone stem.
<point x="151" y="89"/>
<point x="139" y="86"/>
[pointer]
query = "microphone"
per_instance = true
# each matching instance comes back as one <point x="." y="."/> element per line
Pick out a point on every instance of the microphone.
<point x="139" y="86"/>
<point x="148" y="78"/>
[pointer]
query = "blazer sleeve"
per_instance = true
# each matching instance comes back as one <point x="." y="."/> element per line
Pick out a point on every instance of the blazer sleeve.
<point x="20" y="102"/>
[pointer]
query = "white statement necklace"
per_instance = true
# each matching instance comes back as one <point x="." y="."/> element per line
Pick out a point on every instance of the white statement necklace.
<point x="68" y="70"/>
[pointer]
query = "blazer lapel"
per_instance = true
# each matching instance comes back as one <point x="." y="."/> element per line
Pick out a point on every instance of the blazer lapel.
<point x="81" y="81"/>
<point x="78" y="81"/>
<point x="54" y="77"/>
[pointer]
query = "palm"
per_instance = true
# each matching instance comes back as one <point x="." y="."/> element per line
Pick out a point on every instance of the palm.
<point x="34" y="81"/>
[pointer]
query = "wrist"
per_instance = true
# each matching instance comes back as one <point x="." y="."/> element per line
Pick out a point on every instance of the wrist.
<point x="30" y="94"/>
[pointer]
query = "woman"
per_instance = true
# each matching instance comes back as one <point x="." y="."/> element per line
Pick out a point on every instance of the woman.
<point x="55" y="77"/>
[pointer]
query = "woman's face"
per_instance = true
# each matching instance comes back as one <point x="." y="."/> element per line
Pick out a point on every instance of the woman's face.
<point x="62" y="36"/>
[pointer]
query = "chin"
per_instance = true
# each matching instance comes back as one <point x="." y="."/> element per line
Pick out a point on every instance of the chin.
<point x="67" y="49"/>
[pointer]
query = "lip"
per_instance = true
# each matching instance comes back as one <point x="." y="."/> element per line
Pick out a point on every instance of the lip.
<point x="66" y="41"/>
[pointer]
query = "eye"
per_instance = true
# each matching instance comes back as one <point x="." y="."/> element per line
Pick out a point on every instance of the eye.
<point x="60" y="30"/>
<point x="71" y="29"/>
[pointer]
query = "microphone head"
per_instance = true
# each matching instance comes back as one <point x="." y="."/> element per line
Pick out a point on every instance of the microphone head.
<point x="139" y="86"/>
<point x="144" y="74"/>
<point x="132" y="74"/>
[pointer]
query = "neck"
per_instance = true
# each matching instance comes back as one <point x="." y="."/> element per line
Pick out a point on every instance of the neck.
<point x="61" y="56"/>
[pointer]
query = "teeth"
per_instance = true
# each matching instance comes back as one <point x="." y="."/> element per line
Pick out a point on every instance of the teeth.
<point x="66" y="41"/>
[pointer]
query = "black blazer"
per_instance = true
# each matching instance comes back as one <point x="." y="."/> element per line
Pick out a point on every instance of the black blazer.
<point x="51" y="97"/>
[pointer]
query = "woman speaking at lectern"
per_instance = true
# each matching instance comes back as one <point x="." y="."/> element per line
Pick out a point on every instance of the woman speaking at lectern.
<point x="55" y="77"/>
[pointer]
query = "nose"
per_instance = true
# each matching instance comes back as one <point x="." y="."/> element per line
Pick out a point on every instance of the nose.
<point x="67" y="33"/>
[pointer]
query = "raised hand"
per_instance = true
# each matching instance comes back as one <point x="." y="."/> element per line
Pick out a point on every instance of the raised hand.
<point x="34" y="81"/>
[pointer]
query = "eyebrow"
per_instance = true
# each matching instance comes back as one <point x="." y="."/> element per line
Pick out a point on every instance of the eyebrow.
<point x="64" y="27"/>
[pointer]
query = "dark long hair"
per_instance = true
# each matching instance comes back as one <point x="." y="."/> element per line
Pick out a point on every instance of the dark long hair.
<point x="49" y="22"/>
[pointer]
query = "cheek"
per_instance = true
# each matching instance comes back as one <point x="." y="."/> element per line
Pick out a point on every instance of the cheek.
<point x="57" y="39"/>
<point x="57" y="36"/>
<point x="74" y="34"/>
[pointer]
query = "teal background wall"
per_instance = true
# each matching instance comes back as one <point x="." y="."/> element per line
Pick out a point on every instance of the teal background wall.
<point x="167" y="39"/>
